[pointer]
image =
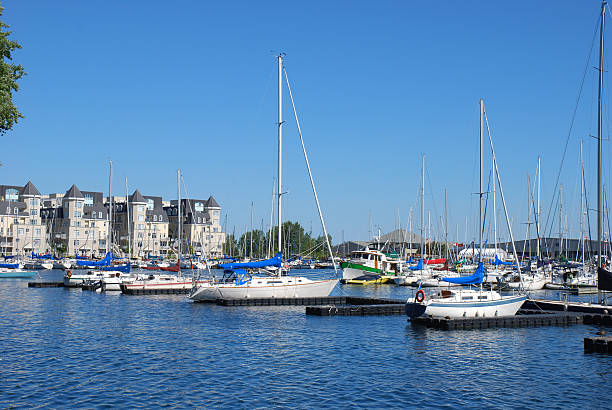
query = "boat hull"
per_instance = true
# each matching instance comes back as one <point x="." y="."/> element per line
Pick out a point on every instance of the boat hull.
<point x="16" y="274"/>
<point x="506" y="306"/>
<point x="285" y="289"/>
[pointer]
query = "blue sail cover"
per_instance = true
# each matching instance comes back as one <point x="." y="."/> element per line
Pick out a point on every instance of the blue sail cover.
<point x="9" y="265"/>
<point x="499" y="262"/>
<point x="39" y="256"/>
<point x="120" y="268"/>
<point x="419" y="266"/>
<point x="475" y="279"/>
<point x="103" y="262"/>
<point x="275" y="261"/>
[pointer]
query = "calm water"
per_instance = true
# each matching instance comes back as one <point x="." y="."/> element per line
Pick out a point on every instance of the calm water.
<point x="69" y="348"/>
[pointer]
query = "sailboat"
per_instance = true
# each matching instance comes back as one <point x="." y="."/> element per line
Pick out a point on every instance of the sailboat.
<point x="164" y="282"/>
<point x="471" y="302"/>
<point x="237" y="282"/>
<point x="604" y="275"/>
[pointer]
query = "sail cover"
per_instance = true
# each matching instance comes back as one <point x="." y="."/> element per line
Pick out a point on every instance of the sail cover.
<point x="275" y="261"/>
<point x="475" y="279"/>
<point x="419" y="266"/>
<point x="9" y="265"/>
<point x="39" y="256"/>
<point x="103" y="262"/>
<point x="500" y="262"/>
<point x="435" y="261"/>
<point x="120" y="268"/>
<point x="604" y="279"/>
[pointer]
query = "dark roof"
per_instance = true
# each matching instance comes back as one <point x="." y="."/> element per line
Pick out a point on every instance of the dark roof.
<point x="211" y="203"/>
<point x="73" y="192"/>
<point x="30" y="189"/>
<point x="137" y="198"/>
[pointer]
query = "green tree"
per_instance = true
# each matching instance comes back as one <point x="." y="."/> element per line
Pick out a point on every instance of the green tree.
<point x="9" y="74"/>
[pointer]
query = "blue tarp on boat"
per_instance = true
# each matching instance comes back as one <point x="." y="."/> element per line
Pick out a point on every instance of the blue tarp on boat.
<point x="104" y="262"/>
<point x="474" y="279"/>
<point x="121" y="268"/>
<point x="275" y="261"/>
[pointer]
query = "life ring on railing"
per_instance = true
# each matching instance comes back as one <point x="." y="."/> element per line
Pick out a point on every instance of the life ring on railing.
<point x="69" y="274"/>
<point x="420" y="296"/>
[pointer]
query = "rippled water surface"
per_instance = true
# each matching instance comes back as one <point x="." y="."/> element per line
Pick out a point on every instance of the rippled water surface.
<point x="70" y="348"/>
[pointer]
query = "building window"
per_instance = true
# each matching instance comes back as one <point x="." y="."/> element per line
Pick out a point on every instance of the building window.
<point x="199" y="207"/>
<point x="150" y="204"/>
<point x="33" y="212"/>
<point x="76" y="242"/>
<point x="77" y="214"/>
<point x="79" y="205"/>
<point x="33" y="202"/>
<point x="76" y="233"/>
<point x="20" y="231"/>
<point x="154" y="218"/>
<point x="140" y="226"/>
<point x="12" y="194"/>
<point x="38" y="232"/>
<point x="199" y="219"/>
<point x="100" y="215"/>
<point x="16" y="211"/>
<point x="141" y="218"/>
<point x="8" y="210"/>
<point x="141" y="208"/>
<point x="88" y="199"/>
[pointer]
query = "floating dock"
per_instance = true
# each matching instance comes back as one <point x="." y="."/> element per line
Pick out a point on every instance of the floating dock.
<point x="598" y="345"/>
<point x="155" y="291"/>
<point x="45" y="284"/>
<point x="564" y="306"/>
<point x="524" y="318"/>
<point x="328" y="300"/>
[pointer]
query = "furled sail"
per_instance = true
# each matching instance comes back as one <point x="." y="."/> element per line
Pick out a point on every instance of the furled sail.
<point x="475" y="279"/>
<point x="275" y="261"/>
<point x="103" y="262"/>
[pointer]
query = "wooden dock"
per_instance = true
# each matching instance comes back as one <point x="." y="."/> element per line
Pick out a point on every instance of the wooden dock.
<point x="598" y="345"/>
<point x="525" y="318"/>
<point x="45" y="284"/>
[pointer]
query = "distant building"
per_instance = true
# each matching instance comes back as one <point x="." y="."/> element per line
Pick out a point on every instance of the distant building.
<point x="202" y="233"/>
<point x="21" y="228"/>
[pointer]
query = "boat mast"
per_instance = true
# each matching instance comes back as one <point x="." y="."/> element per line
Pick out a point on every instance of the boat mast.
<point x="127" y="207"/>
<point x="445" y="224"/>
<point x="582" y="205"/>
<point x="538" y="212"/>
<point x="599" y="144"/>
<point x="422" y="206"/>
<point x="494" y="218"/>
<point x="280" y="151"/>
<point x="109" y="246"/>
<point x="480" y="192"/>
<point x="179" y="233"/>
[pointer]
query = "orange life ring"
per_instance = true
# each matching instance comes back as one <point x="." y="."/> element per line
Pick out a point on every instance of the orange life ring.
<point x="420" y="296"/>
<point x="69" y="273"/>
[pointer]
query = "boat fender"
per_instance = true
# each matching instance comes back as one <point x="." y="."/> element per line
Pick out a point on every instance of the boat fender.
<point x="69" y="273"/>
<point x="420" y="295"/>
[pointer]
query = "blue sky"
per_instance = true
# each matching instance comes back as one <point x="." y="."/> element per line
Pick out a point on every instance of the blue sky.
<point x="155" y="86"/>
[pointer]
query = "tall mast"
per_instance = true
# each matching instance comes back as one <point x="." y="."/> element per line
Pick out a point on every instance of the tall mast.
<point x="445" y="224"/>
<point x="581" y="204"/>
<point x="494" y="216"/>
<point x="280" y="151"/>
<point x="538" y="210"/>
<point x="528" y="238"/>
<point x="599" y="120"/>
<point x="109" y="247"/>
<point x="179" y="234"/>
<point x="251" y="244"/>
<point x="481" y="182"/>
<point x="422" y="206"/>
<point x="127" y="207"/>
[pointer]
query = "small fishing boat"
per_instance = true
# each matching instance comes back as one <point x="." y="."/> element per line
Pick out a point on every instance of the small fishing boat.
<point x="367" y="280"/>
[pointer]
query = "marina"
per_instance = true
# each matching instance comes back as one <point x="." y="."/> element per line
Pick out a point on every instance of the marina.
<point x="417" y="218"/>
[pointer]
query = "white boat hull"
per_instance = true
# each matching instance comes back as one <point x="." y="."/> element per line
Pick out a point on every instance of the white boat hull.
<point x="505" y="306"/>
<point x="352" y="273"/>
<point x="529" y="284"/>
<point x="265" y="287"/>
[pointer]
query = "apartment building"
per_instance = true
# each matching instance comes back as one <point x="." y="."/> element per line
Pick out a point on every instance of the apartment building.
<point x="21" y="228"/>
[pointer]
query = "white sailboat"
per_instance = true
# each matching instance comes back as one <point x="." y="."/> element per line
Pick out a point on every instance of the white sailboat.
<point x="164" y="281"/>
<point x="238" y="283"/>
<point x="471" y="302"/>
